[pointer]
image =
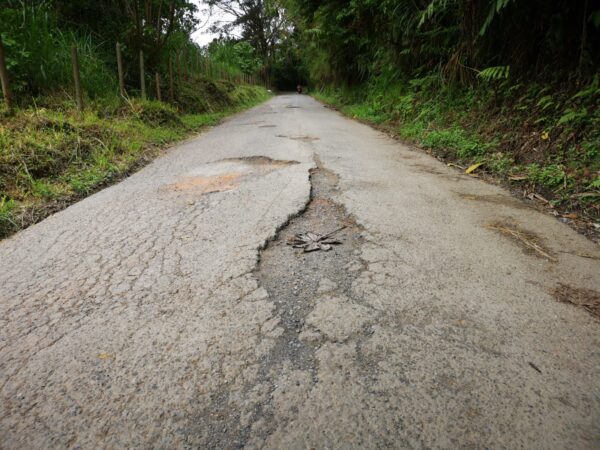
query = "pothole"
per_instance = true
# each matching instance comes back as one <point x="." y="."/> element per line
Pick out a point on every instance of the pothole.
<point x="296" y="282"/>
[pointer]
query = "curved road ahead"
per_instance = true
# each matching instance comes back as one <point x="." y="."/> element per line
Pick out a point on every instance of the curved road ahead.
<point x="152" y="315"/>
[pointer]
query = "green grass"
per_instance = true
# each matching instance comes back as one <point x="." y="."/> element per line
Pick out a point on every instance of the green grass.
<point x="53" y="157"/>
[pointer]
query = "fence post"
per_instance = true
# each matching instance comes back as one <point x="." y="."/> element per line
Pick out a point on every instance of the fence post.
<point x="4" y="78"/>
<point x="158" y="96"/>
<point x="142" y="75"/>
<point x="120" y="69"/>
<point x="171" y="92"/>
<point x="77" y="78"/>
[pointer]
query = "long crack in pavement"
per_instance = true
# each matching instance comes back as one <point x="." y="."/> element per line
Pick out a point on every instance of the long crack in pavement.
<point x="307" y="289"/>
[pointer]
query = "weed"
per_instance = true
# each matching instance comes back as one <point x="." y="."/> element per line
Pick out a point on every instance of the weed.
<point x="549" y="176"/>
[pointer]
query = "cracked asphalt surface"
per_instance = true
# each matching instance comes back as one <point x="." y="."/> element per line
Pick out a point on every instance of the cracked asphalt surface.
<point x="166" y="311"/>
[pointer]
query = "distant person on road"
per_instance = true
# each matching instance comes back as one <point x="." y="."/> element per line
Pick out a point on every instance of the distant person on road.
<point x="299" y="89"/>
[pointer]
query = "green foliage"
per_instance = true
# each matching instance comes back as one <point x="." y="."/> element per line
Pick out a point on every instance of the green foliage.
<point x="595" y="184"/>
<point x="454" y="139"/>
<point x="572" y="116"/>
<point x="39" y="54"/>
<point x="352" y="41"/>
<point x="7" y="220"/>
<point x="494" y="73"/>
<point x="549" y="176"/>
<point x="237" y="57"/>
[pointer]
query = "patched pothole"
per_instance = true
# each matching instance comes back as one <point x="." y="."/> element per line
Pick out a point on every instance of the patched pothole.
<point x="226" y="174"/>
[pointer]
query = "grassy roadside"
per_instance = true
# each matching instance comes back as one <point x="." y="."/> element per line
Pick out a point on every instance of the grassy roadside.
<point x="542" y="142"/>
<point x="51" y="157"/>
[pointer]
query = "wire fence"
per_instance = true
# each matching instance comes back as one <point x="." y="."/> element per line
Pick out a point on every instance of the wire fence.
<point x="182" y="66"/>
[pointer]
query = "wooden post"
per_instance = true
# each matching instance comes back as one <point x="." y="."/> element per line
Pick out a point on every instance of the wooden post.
<point x="120" y="69"/>
<point x="171" y="91"/>
<point x="158" y="96"/>
<point x="142" y="75"/>
<point x="4" y="78"/>
<point x="77" y="78"/>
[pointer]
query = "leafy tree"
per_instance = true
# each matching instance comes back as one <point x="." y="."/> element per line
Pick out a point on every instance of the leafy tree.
<point x="263" y="22"/>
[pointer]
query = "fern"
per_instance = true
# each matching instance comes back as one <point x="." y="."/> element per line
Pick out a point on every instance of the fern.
<point x="590" y="92"/>
<point x="571" y="115"/>
<point x="545" y="102"/>
<point x="494" y="73"/>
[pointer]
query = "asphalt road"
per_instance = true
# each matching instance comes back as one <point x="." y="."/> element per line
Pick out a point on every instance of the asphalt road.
<point x="149" y="316"/>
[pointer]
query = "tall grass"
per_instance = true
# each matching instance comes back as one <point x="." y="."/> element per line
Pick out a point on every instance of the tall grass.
<point x="39" y="54"/>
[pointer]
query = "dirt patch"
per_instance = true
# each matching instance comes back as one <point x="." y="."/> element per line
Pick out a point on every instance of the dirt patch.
<point x="267" y="126"/>
<point x="527" y="240"/>
<point x="582" y="298"/>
